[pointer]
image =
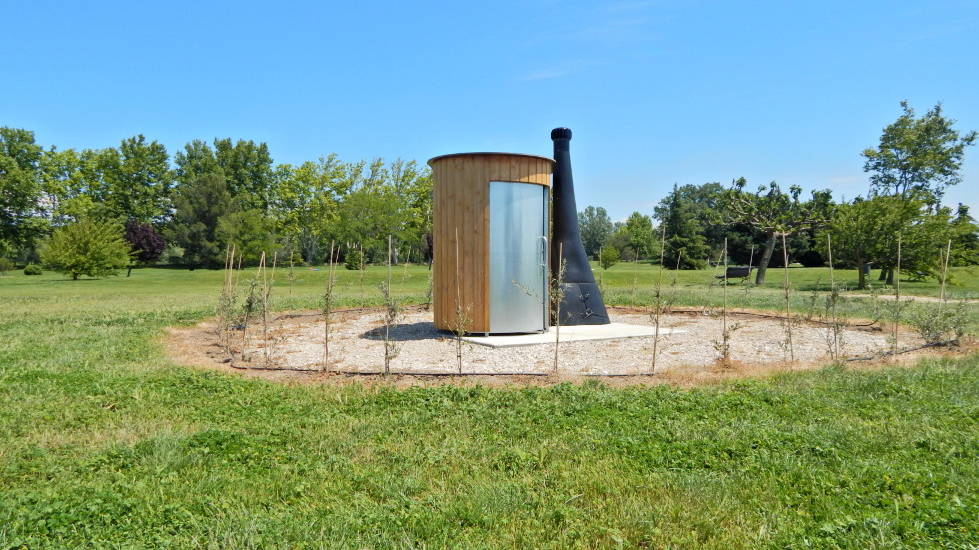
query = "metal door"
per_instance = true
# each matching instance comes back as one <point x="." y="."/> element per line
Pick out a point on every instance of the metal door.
<point x="518" y="257"/>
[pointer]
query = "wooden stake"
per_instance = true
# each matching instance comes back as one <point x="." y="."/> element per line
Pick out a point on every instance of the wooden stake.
<point x="788" y="313"/>
<point x="557" y="316"/>
<point x="724" y="308"/>
<point x="327" y="305"/>
<point x="948" y="252"/>
<point x="897" y="293"/>
<point x="659" y="298"/>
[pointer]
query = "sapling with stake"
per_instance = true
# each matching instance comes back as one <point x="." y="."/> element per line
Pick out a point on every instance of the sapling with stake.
<point x="658" y="300"/>
<point x="226" y="300"/>
<point x="944" y="298"/>
<point x="252" y="303"/>
<point x="328" y="306"/>
<point x="555" y="295"/>
<point x="461" y="321"/>
<point x="725" y="335"/>
<point x="392" y="310"/>
<point x="897" y="295"/>
<point x="787" y="324"/>
<point x="267" y="282"/>
<point x="836" y="324"/>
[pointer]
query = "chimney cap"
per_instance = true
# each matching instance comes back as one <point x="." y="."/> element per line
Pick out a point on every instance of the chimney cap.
<point x="561" y="133"/>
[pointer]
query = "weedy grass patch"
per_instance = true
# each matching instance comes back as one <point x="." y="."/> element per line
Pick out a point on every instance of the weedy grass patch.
<point x="104" y="443"/>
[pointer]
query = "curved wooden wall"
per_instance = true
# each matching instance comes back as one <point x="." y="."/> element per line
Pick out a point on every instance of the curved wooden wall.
<point x="460" y="221"/>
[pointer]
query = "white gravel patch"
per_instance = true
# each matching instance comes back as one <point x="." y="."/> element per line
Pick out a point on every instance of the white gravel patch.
<point x="357" y="346"/>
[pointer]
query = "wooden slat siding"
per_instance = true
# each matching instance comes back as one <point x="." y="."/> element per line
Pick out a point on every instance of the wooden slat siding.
<point x="482" y="184"/>
<point x="467" y="242"/>
<point x="461" y="202"/>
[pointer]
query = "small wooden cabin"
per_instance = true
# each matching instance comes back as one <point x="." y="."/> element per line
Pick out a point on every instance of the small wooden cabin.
<point x="490" y="227"/>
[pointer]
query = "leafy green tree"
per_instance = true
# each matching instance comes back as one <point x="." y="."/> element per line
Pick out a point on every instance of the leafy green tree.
<point x="775" y="213"/>
<point x="67" y="195"/>
<point x="142" y="181"/>
<point x="685" y="242"/>
<point x="246" y="167"/>
<point x="595" y="227"/>
<point x="915" y="155"/>
<point x="199" y="205"/>
<point x="867" y="231"/>
<point x="20" y="189"/>
<point x="619" y="240"/>
<point x="608" y="257"/>
<point x="251" y="233"/>
<point x="640" y="229"/>
<point x="87" y="247"/>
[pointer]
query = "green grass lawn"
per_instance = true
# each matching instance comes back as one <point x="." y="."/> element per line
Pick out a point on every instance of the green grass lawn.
<point x="104" y="443"/>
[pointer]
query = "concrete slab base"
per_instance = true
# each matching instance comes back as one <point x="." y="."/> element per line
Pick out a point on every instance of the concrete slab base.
<point x="577" y="333"/>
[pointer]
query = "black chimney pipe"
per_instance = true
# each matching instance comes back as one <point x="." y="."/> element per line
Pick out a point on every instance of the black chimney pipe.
<point x="582" y="302"/>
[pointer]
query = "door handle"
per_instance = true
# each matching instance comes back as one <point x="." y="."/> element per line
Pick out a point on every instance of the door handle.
<point x="545" y="248"/>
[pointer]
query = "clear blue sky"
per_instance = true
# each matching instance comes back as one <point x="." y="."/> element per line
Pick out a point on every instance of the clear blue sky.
<point x="656" y="92"/>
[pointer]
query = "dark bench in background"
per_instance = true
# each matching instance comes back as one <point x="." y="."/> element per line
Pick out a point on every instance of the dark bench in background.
<point x="736" y="272"/>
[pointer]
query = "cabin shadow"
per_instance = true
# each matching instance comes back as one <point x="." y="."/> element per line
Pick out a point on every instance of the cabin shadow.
<point x="406" y="332"/>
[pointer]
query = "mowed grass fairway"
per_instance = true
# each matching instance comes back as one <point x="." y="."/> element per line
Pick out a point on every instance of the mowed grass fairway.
<point x="104" y="443"/>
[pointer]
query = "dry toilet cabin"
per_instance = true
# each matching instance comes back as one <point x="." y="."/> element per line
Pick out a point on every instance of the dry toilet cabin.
<point x="490" y="227"/>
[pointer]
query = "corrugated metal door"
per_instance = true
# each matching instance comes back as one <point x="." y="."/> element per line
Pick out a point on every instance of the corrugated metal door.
<point x="518" y="257"/>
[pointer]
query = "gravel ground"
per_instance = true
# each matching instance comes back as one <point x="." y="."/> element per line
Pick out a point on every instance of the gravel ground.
<point x="357" y="346"/>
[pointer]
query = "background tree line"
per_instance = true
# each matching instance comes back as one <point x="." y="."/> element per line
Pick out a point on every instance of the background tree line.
<point x="191" y="207"/>
<point x="915" y="161"/>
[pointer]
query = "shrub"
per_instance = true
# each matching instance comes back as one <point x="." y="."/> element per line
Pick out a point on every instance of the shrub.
<point x="354" y="260"/>
<point x="940" y="325"/>
<point x="91" y="248"/>
<point x="608" y="257"/>
<point x="33" y="269"/>
<point x="6" y="265"/>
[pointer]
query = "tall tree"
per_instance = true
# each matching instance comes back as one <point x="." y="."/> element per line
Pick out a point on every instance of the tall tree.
<point x="142" y="181"/>
<point x="965" y="233"/>
<point x="917" y="155"/>
<point x="775" y="213"/>
<point x="867" y="230"/>
<point x="20" y="188"/>
<point x="248" y="171"/>
<point x="246" y="167"/>
<point x="596" y="227"/>
<point x="199" y="206"/>
<point x="705" y="203"/>
<point x="641" y="239"/>
<point x="685" y="243"/>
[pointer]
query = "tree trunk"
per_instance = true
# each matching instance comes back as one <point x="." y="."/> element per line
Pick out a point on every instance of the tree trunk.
<point x="766" y="257"/>
<point x="129" y="271"/>
<point x="890" y="276"/>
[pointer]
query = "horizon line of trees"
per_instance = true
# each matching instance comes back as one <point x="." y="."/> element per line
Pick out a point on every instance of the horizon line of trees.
<point x="188" y="209"/>
<point x="916" y="160"/>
